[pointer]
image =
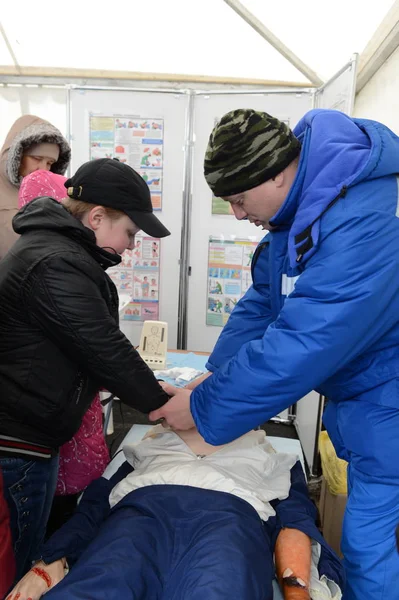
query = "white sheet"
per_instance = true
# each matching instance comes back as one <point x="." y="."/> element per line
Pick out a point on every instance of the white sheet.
<point x="137" y="432"/>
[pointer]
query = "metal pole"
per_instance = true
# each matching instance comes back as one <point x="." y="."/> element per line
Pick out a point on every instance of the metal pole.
<point x="69" y="123"/>
<point x="186" y="227"/>
<point x="352" y="64"/>
<point x="258" y="92"/>
<point x="129" y="89"/>
<point x="10" y="49"/>
<point x="352" y="93"/>
<point x="183" y="92"/>
<point x="281" y="421"/>
<point x="335" y="76"/>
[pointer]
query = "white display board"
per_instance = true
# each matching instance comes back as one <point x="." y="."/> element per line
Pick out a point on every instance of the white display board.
<point x="339" y="92"/>
<point x="288" y="107"/>
<point x="172" y="108"/>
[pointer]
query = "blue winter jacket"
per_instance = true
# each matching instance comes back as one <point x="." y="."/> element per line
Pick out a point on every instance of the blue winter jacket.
<point x="323" y="311"/>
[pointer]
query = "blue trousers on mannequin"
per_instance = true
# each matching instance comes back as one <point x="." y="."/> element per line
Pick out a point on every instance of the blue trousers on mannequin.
<point x="172" y="543"/>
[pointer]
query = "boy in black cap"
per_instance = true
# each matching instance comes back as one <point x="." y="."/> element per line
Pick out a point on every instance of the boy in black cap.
<point x="60" y="340"/>
<point x="115" y="185"/>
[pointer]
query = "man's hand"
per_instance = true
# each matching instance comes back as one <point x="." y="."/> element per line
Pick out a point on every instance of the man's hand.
<point x="176" y="412"/>
<point x="36" y="583"/>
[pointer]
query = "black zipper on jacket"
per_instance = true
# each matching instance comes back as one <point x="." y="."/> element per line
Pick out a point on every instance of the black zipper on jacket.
<point x="79" y="390"/>
<point x="306" y="235"/>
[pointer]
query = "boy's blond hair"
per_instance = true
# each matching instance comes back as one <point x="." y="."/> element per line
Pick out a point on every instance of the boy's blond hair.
<point x="79" y="209"/>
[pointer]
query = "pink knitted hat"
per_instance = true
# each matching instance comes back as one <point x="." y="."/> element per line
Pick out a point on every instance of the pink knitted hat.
<point x="41" y="183"/>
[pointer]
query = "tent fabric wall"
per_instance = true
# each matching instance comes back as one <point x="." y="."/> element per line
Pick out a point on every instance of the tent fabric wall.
<point x="45" y="102"/>
<point x="177" y="36"/>
<point x="378" y="99"/>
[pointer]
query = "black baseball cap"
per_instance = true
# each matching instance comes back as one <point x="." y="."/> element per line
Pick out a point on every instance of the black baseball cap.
<point x="108" y="182"/>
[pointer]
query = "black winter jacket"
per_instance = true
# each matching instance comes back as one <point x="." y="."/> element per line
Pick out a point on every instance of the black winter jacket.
<point x="59" y="335"/>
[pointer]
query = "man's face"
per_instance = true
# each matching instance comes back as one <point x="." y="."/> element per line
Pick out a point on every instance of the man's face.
<point x="260" y="204"/>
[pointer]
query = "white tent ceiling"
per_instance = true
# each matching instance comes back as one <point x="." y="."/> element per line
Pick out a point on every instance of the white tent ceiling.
<point x="201" y="37"/>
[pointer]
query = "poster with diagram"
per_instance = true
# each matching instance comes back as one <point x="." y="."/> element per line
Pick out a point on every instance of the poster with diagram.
<point x="135" y="141"/>
<point x="229" y="277"/>
<point x="221" y="207"/>
<point x="138" y="276"/>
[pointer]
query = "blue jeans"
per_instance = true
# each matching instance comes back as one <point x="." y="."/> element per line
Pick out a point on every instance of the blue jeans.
<point x="29" y="488"/>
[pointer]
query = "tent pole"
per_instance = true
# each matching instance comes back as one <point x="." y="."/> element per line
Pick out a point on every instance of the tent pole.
<point x="260" y="28"/>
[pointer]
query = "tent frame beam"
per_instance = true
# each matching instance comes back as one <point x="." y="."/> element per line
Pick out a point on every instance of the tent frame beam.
<point x="9" y="48"/>
<point x="269" y="36"/>
<point x="381" y="46"/>
<point x="9" y="74"/>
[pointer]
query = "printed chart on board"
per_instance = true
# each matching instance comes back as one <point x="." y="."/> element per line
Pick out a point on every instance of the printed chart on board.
<point x="221" y="207"/>
<point x="229" y="276"/>
<point x="135" y="141"/>
<point x="138" y="276"/>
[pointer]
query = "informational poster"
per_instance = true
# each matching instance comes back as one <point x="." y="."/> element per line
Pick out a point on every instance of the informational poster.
<point x="221" y="207"/>
<point x="229" y="277"/>
<point x="138" y="275"/>
<point x="135" y="141"/>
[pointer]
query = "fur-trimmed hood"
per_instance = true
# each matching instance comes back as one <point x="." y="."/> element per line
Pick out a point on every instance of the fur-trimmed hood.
<point x="27" y="130"/>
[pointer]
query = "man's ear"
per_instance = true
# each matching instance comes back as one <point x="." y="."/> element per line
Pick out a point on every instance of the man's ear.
<point x="279" y="179"/>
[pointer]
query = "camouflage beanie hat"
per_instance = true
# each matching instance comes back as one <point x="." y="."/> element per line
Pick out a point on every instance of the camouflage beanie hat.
<point x="246" y="148"/>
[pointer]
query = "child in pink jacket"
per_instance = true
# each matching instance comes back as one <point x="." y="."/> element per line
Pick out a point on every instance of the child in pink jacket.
<point x="85" y="457"/>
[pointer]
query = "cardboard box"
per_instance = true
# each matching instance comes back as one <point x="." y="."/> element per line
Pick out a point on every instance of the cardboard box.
<point x="332" y="509"/>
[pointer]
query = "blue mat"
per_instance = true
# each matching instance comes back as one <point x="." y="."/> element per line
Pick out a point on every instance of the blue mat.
<point x="194" y="361"/>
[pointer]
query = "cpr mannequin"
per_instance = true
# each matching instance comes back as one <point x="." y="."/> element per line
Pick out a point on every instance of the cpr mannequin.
<point x="224" y="499"/>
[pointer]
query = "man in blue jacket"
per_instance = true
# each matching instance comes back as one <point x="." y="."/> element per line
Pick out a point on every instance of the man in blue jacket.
<point x="322" y="313"/>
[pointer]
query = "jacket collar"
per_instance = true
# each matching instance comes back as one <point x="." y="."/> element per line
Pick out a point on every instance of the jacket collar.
<point x="48" y="214"/>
